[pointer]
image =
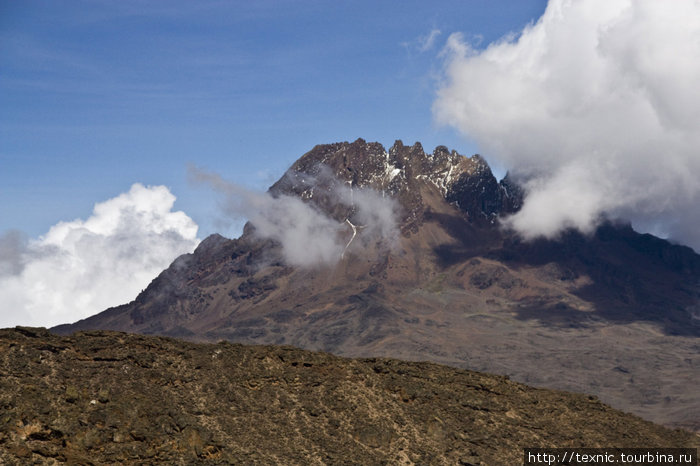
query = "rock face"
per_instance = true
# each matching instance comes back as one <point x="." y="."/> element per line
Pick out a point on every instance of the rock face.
<point x="115" y="398"/>
<point x="404" y="172"/>
<point x="614" y="314"/>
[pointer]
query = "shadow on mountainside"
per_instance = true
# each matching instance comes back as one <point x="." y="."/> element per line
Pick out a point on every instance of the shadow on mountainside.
<point x="633" y="277"/>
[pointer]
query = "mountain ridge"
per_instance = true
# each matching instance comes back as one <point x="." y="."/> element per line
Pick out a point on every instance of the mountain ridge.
<point x="454" y="288"/>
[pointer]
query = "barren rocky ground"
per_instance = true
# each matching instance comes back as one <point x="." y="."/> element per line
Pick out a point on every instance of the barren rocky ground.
<point x="115" y="398"/>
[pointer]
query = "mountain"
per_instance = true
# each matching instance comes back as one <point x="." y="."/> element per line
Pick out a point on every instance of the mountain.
<point x="613" y="314"/>
<point x="116" y="398"/>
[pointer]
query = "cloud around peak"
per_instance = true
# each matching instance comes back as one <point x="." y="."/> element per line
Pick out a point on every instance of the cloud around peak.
<point x="308" y="235"/>
<point x="595" y="108"/>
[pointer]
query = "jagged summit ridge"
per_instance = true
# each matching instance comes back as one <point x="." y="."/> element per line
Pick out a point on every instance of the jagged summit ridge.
<point x="402" y="172"/>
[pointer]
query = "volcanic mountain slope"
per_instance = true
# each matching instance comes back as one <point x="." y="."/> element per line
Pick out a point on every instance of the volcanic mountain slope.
<point x="115" y="398"/>
<point x="614" y="314"/>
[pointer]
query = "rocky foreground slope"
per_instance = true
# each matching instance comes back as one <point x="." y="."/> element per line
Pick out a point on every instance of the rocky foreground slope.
<point x="115" y="398"/>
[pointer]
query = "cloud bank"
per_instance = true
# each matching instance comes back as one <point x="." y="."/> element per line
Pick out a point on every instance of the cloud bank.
<point x="309" y="236"/>
<point x="595" y="108"/>
<point x="82" y="267"/>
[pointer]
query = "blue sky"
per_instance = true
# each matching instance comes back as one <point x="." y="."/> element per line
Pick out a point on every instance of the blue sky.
<point x="98" y="95"/>
<point x="104" y="104"/>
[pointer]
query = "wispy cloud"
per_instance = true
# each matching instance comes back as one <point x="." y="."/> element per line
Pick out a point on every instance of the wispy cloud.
<point x="308" y="235"/>
<point x="595" y="107"/>
<point x="427" y="42"/>
<point x="82" y="267"/>
<point x="423" y="43"/>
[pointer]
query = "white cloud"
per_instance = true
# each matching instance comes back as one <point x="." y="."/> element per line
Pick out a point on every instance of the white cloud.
<point x="422" y="43"/>
<point x="308" y="236"/>
<point x="427" y="42"/>
<point x="82" y="267"/>
<point x="596" y="107"/>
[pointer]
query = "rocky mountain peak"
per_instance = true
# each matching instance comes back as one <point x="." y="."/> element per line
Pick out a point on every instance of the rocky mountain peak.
<point x="448" y="287"/>
<point x="405" y="173"/>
